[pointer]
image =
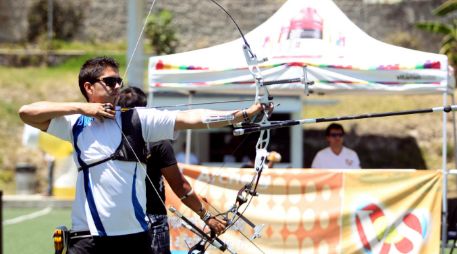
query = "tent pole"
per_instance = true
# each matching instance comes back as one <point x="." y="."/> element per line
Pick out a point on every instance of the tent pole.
<point x="189" y="132"/>
<point x="151" y="98"/>
<point x="444" y="174"/>
<point x="296" y="144"/>
<point x="454" y="130"/>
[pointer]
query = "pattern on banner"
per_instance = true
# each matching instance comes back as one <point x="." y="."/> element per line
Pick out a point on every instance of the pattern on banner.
<point x="301" y="212"/>
<point x="381" y="232"/>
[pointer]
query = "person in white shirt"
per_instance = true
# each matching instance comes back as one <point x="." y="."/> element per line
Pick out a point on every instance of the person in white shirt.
<point x="336" y="156"/>
<point x="109" y="210"/>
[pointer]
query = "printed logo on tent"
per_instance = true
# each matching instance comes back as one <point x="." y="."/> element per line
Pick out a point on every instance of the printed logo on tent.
<point x="306" y="24"/>
<point x="384" y="233"/>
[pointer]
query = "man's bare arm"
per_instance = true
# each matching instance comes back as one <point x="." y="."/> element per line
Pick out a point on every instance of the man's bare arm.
<point x="181" y="187"/>
<point x="193" y="119"/>
<point x="40" y="114"/>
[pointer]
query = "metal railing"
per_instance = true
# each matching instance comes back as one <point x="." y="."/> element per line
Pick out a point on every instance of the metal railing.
<point x="1" y="222"/>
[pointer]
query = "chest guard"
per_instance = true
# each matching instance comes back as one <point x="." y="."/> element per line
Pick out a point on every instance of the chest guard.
<point x="132" y="141"/>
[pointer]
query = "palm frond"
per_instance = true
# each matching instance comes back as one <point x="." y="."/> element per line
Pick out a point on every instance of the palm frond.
<point x="445" y="8"/>
<point x="445" y="49"/>
<point x="449" y="39"/>
<point x="434" y="27"/>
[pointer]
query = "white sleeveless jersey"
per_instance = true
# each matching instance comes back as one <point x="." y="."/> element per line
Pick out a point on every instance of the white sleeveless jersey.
<point x="110" y="197"/>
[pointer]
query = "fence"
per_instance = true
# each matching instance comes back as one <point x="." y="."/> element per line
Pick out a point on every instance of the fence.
<point x="1" y="222"/>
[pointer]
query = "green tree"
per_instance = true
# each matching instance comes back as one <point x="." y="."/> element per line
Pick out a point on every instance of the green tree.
<point x="448" y="30"/>
<point x="161" y="33"/>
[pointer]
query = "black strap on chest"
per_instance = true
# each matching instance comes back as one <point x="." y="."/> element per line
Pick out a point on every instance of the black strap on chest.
<point x="132" y="141"/>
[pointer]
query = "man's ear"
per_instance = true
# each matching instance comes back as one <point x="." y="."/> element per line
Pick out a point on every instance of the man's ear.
<point x="89" y="88"/>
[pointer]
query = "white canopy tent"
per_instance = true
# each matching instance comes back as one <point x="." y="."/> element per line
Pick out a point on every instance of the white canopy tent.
<point x="340" y="58"/>
<point x="316" y="33"/>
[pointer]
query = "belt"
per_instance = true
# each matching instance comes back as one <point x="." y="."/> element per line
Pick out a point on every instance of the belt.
<point x="79" y="234"/>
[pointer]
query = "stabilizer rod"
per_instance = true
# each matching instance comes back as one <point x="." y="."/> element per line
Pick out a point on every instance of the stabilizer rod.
<point x="288" y="123"/>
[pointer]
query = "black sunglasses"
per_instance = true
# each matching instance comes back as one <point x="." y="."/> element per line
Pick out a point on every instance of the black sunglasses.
<point x="334" y="135"/>
<point x="112" y="81"/>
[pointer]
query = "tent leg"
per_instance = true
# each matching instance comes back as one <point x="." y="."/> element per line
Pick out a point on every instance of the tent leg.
<point x="150" y="98"/>
<point x="454" y="130"/>
<point x="444" y="175"/>
<point x="189" y="132"/>
<point x="296" y="144"/>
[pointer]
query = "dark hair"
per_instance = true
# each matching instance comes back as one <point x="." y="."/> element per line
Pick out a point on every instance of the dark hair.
<point x="132" y="97"/>
<point x="92" y="69"/>
<point x="333" y="126"/>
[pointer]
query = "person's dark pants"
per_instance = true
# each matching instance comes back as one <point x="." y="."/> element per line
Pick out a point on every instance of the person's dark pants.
<point x="139" y="243"/>
<point x="160" y="234"/>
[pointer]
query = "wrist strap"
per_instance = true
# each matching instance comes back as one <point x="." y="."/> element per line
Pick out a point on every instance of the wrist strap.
<point x="187" y="194"/>
<point x="245" y="116"/>
<point x="206" y="216"/>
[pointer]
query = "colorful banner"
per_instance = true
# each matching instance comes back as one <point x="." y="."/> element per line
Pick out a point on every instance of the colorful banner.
<point x="321" y="211"/>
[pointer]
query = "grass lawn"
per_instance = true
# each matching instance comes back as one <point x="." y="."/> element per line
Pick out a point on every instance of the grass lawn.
<point x="32" y="236"/>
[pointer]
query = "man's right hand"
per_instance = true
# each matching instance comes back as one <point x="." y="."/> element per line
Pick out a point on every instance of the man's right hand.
<point x="99" y="110"/>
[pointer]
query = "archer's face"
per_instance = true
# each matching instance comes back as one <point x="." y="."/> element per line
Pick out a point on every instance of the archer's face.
<point x="106" y="89"/>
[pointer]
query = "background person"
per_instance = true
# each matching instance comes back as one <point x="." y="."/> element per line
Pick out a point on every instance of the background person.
<point x="336" y="156"/>
<point x="161" y="161"/>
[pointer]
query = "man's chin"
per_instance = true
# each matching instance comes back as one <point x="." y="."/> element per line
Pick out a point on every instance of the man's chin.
<point x="113" y="99"/>
<point x="116" y="99"/>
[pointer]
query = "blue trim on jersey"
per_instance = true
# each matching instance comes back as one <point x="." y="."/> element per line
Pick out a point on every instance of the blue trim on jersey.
<point x="139" y="211"/>
<point x="82" y="122"/>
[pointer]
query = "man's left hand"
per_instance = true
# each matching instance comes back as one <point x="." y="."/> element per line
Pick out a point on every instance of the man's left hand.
<point x="217" y="225"/>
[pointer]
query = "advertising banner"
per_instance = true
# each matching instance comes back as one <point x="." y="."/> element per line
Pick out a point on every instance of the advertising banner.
<point x="319" y="211"/>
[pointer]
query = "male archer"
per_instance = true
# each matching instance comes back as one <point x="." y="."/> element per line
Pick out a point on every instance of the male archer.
<point x="161" y="161"/>
<point x="109" y="210"/>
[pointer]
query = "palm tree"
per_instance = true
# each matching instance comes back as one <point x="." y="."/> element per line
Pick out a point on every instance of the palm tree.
<point x="448" y="30"/>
